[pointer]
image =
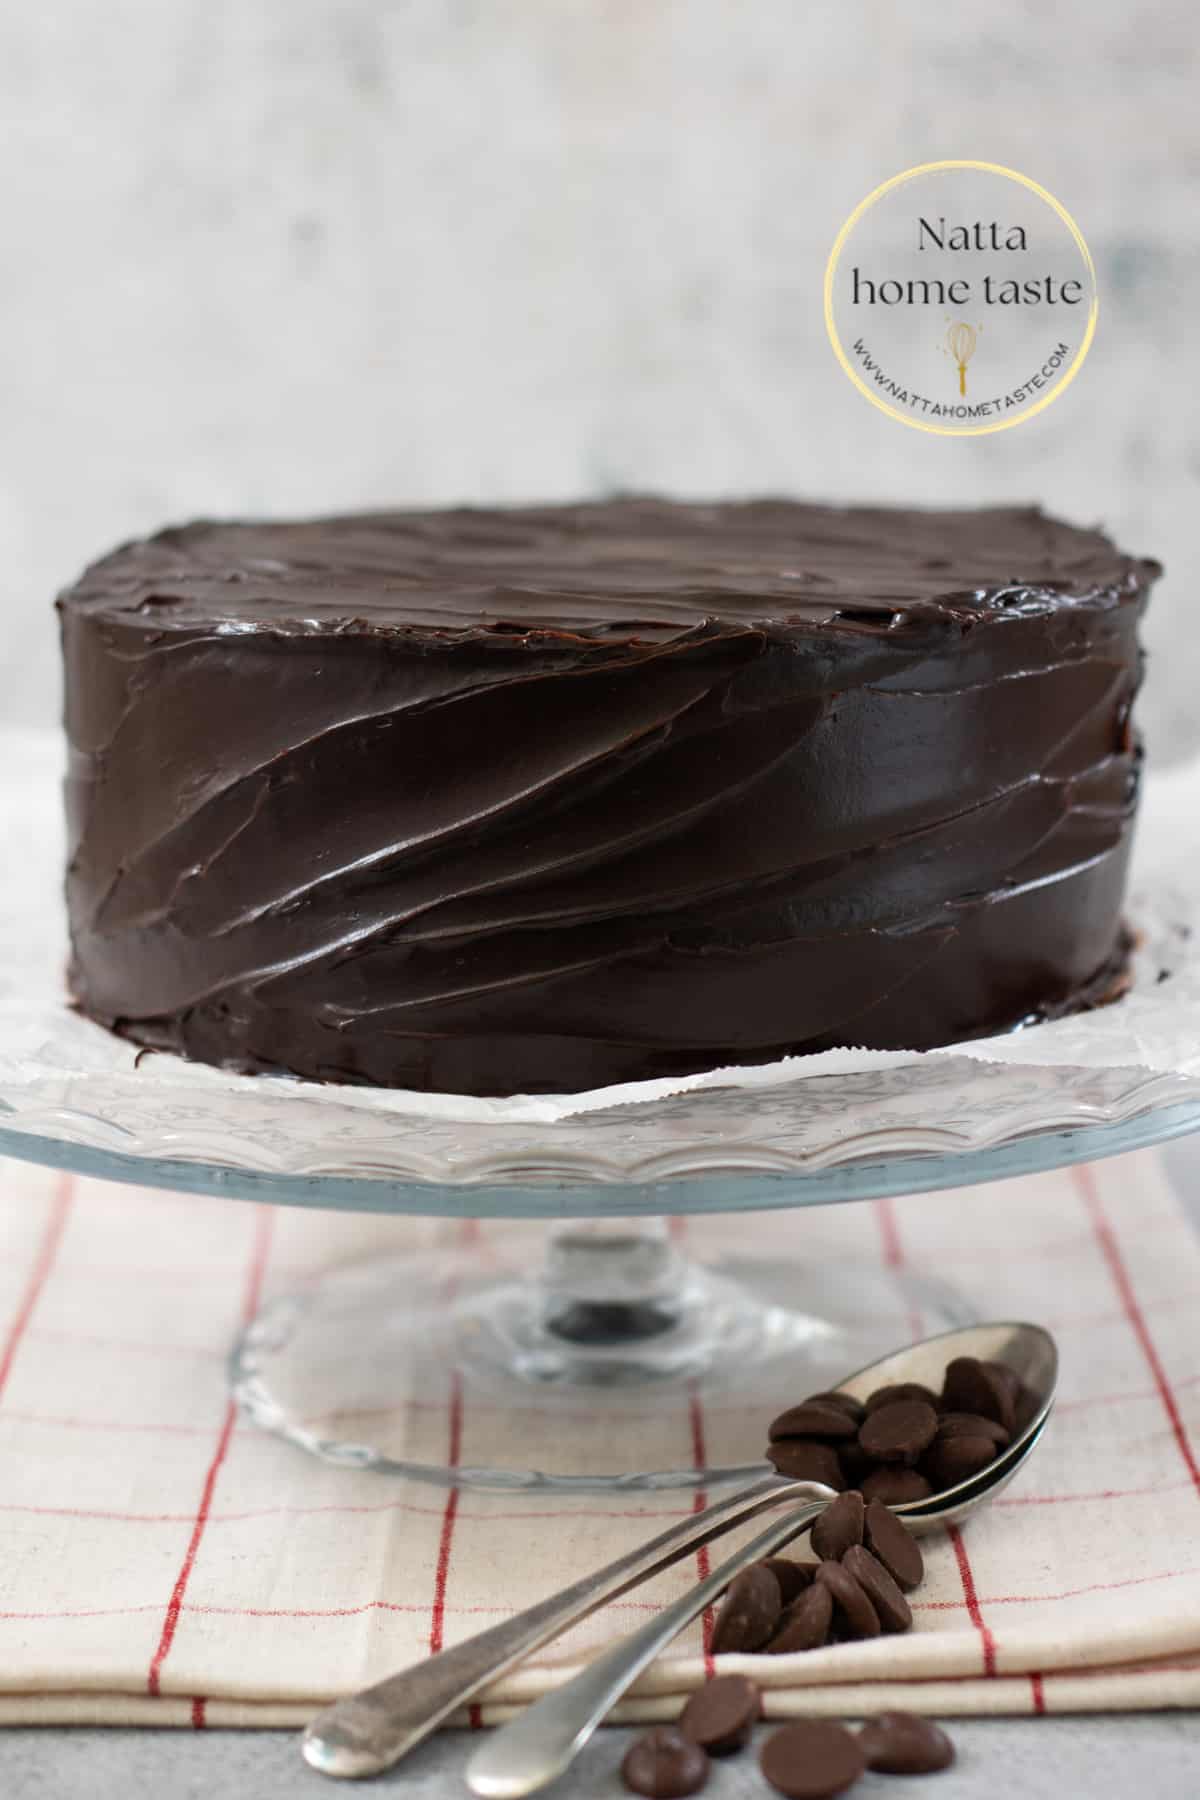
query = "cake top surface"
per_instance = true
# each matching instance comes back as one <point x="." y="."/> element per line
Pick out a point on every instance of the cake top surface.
<point x="620" y="567"/>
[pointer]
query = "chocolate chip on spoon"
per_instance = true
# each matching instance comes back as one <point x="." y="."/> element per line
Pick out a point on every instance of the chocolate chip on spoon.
<point x="960" y="1424"/>
<point x="1028" y="1406"/>
<point x="749" y="1612"/>
<point x="839" y="1526"/>
<point x="894" y="1546"/>
<point x="954" y="1459"/>
<point x="1007" y="1376"/>
<point x="892" y="1609"/>
<point x="664" y="1765"/>
<point x="806" y="1623"/>
<point x="902" y="1743"/>
<point x="853" y="1409"/>
<point x="855" y="1462"/>
<point x="895" y="1486"/>
<point x="902" y="1390"/>
<point x="813" y="1419"/>
<point x="972" y="1386"/>
<point x="720" y="1716"/>
<point x="899" y="1431"/>
<point x="812" y="1759"/>
<point x="803" y="1459"/>
<point x="854" y="1616"/>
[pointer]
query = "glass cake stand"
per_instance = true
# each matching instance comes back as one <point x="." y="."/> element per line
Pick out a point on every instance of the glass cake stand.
<point x="602" y="1321"/>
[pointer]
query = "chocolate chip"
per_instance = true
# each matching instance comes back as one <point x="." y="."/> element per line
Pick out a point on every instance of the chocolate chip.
<point x="805" y="1460"/>
<point x="895" y="1486"/>
<point x="720" y="1716"/>
<point x="902" y="1390"/>
<point x="954" y="1459"/>
<point x="749" y="1612"/>
<point x="1007" y="1376"/>
<point x="899" y="1431"/>
<point x="812" y="1759"/>
<point x="839" y="1526"/>
<point x="894" y="1546"/>
<point x="1023" y="1403"/>
<point x="972" y="1386"/>
<point x="959" y="1424"/>
<point x="1028" y="1408"/>
<point x="854" y="1461"/>
<point x="664" y="1765"/>
<point x="793" y="1577"/>
<point x="1025" y="1408"/>
<point x="854" y="1409"/>
<point x="892" y="1609"/>
<point x="813" y="1419"/>
<point x="901" y="1743"/>
<point x="854" y="1615"/>
<point x="806" y="1623"/>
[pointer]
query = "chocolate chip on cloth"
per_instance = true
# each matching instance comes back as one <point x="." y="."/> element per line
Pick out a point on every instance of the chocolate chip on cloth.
<point x="804" y="1459"/>
<point x="720" y="1716"/>
<point x="813" y="1419"/>
<point x="972" y="1386"/>
<point x="894" y="1546"/>
<point x="664" y="1765"/>
<point x="812" y="1759"/>
<point x="806" y="1623"/>
<point x="892" y="1609"/>
<point x="894" y="1486"/>
<point x="793" y="1577"/>
<point x="901" y="1743"/>
<point x="749" y="1613"/>
<point x="839" y="1526"/>
<point x="853" y="1615"/>
<point x="899" y="1431"/>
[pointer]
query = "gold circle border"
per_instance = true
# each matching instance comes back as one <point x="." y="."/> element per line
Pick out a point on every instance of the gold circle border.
<point x="885" y="187"/>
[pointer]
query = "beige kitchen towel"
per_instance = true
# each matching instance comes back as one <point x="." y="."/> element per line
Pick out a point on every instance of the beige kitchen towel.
<point x="165" y="1563"/>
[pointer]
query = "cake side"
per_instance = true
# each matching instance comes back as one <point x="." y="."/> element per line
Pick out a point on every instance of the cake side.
<point x="681" y="790"/>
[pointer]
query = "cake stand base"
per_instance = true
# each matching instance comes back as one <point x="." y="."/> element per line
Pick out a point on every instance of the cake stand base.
<point x="588" y="1365"/>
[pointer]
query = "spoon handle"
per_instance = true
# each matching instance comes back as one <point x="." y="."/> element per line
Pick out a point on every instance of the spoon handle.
<point x="370" y="1731"/>
<point x="537" y="1746"/>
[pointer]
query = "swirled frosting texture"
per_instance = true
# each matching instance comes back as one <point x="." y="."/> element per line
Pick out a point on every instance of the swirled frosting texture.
<point x="542" y="799"/>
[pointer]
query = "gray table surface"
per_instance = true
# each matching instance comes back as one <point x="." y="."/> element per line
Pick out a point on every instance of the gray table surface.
<point x="1151" y="1756"/>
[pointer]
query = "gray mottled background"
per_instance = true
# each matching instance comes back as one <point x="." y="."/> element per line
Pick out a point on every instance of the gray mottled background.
<point x="283" y="255"/>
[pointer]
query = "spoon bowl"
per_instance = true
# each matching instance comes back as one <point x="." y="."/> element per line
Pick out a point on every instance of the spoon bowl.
<point x="1031" y="1354"/>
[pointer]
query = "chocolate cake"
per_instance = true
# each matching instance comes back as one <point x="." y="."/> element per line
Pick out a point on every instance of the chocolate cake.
<point x="543" y="799"/>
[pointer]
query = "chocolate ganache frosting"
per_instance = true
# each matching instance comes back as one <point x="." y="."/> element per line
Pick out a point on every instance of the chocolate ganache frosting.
<point x="546" y="798"/>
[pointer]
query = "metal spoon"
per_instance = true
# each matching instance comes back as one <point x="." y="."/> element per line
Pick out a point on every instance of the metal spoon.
<point x="369" y="1732"/>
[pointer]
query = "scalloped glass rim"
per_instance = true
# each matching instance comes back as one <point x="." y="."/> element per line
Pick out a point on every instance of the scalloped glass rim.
<point x="864" y="1167"/>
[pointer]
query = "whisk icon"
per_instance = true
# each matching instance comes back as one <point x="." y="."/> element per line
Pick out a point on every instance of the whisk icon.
<point x="961" y="341"/>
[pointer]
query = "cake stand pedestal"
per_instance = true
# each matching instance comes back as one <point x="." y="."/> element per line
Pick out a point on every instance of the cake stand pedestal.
<point x="606" y="1321"/>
